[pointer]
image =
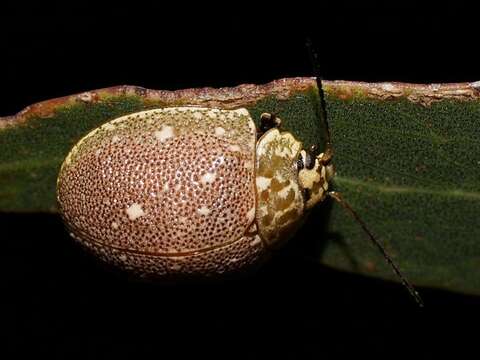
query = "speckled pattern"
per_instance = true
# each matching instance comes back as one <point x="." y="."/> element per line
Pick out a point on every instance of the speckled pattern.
<point x="280" y="203"/>
<point x="241" y="254"/>
<point x="166" y="191"/>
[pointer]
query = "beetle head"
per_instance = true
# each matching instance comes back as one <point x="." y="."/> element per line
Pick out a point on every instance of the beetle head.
<point x="314" y="173"/>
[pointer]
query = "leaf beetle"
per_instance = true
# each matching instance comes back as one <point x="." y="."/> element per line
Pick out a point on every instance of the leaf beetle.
<point x="192" y="191"/>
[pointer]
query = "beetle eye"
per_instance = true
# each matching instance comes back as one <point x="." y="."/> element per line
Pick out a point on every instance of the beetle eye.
<point x="314" y="150"/>
<point x="309" y="160"/>
<point x="300" y="164"/>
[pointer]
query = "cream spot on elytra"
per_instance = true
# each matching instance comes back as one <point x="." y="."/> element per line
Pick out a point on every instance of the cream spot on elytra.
<point x="219" y="131"/>
<point x="212" y="113"/>
<point x="135" y="211"/>
<point x="165" y="133"/>
<point x="248" y="165"/>
<point x="208" y="178"/>
<point x="197" y="115"/>
<point x="115" y="139"/>
<point x="203" y="210"/>
<point x="109" y="127"/>
<point x="242" y="112"/>
<point x="114" y="225"/>
<point x="234" y="148"/>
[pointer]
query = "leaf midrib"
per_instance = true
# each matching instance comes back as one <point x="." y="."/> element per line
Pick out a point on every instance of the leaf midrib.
<point x="406" y="189"/>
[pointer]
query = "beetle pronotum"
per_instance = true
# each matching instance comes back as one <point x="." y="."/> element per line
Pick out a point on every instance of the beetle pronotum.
<point x="191" y="191"/>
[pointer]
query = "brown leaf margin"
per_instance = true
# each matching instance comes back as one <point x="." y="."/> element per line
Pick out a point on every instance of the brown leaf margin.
<point x="242" y="95"/>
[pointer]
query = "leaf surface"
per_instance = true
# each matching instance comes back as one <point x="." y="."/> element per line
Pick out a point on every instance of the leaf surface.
<point x="407" y="159"/>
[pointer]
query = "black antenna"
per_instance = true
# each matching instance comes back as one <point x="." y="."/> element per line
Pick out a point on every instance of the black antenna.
<point x="322" y="111"/>
<point x="328" y="154"/>
<point x="336" y="196"/>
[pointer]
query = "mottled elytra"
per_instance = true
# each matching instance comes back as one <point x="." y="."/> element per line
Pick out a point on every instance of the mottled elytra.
<point x="192" y="191"/>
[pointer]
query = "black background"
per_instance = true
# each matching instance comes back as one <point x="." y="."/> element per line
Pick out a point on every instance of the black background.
<point x="58" y="301"/>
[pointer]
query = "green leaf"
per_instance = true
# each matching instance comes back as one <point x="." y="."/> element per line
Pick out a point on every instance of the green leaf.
<point x="407" y="159"/>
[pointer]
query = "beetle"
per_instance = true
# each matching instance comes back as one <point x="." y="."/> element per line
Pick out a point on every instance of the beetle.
<point x="192" y="191"/>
